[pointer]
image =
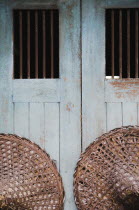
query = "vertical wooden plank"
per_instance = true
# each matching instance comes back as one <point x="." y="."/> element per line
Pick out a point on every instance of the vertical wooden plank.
<point x="70" y="106"/>
<point x="52" y="130"/>
<point x="21" y="123"/>
<point x="129" y="113"/>
<point x="114" y="115"/>
<point x="93" y="71"/>
<point x="36" y="118"/>
<point x="6" y="69"/>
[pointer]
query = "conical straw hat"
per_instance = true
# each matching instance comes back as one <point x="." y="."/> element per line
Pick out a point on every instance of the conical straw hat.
<point x="107" y="174"/>
<point x="28" y="177"/>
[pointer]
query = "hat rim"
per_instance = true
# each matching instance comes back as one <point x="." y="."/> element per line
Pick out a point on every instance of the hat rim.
<point x="88" y="151"/>
<point x="45" y="155"/>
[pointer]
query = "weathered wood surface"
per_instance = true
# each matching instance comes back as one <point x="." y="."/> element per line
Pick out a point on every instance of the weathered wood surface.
<point x="130" y="113"/>
<point x="118" y="3"/>
<point x="102" y="99"/>
<point x="21" y="119"/>
<point x="6" y="63"/>
<point x="52" y="108"/>
<point x="93" y="71"/>
<point x="114" y="115"/>
<point x="121" y="3"/>
<point x="70" y="106"/>
<point x="52" y="130"/>
<point x="40" y="123"/>
<point x="16" y="4"/>
<point x="36" y="90"/>
<point x="125" y="90"/>
<point x="35" y="4"/>
<point x="36" y="120"/>
<point x="49" y="111"/>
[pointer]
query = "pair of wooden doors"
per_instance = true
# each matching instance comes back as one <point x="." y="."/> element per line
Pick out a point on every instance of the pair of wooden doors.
<point x="64" y="115"/>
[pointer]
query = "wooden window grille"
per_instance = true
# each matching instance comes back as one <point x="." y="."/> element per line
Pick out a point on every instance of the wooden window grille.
<point x="36" y="44"/>
<point x="122" y="43"/>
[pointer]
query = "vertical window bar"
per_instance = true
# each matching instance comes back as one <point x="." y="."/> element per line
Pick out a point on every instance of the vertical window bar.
<point x="21" y="47"/>
<point x="128" y="43"/>
<point x="112" y="26"/>
<point x="120" y="44"/>
<point x="36" y="44"/>
<point x="136" y="44"/>
<point x="44" y="45"/>
<point x="28" y="44"/>
<point x="52" y="45"/>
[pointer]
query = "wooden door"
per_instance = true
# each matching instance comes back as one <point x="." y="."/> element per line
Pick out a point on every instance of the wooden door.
<point x="106" y="104"/>
<point x="47" y="111"/>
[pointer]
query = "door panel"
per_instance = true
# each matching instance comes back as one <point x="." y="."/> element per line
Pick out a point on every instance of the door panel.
<point x="47" y="111"/>
<point x="40" y="123"/>
<point x="106" y="104"/>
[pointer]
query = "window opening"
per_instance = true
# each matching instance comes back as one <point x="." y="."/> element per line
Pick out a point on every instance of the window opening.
<point x="36" y="44"/>
<point x="122" y="41"/>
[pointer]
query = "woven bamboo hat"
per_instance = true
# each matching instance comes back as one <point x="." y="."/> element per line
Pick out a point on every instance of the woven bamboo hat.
<point x="107" y="174"/>
<point x="29" y="179"/>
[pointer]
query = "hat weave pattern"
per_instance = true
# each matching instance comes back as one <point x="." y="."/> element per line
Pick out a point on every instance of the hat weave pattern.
<point x="29" y="179"/>
<point x="107" y="174"/>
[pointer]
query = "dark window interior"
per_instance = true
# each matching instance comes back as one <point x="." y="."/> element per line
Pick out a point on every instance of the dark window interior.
<point x="122" y="41"/>
<point x="36" y="44"/>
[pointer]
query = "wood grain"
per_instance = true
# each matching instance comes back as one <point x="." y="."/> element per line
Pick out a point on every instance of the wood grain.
<point x="21" y="122"/>
<point x="125" y="90"/>
<point x="36" y="90"/>
<point x="70" y="106"/>
<point x="36" y="120"/>
<point x="129" y="113"/>
<point x="93" y="71"/>
<point x="114" y="115"/>
<point x="52" y="131"/>
<point x="6" y="69"/>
